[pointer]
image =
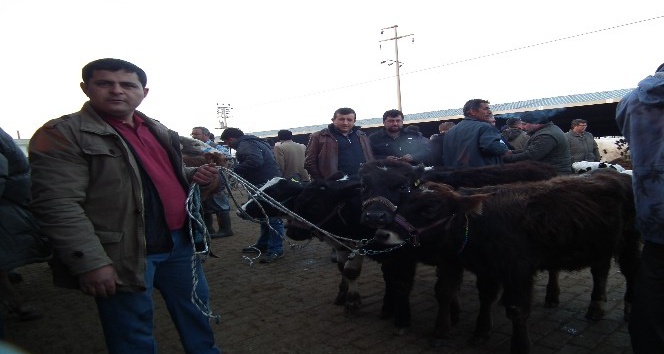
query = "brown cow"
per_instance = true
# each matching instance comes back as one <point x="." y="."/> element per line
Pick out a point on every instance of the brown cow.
<point x="505" y="234"/>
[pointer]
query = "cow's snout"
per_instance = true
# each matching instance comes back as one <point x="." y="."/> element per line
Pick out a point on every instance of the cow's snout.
<point x="386" y="237"/>
<point x="375" y="218"/>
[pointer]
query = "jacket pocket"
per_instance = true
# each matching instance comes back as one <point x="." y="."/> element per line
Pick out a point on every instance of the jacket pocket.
<point x="101" y="150"/>
<point x="109" y="236"/>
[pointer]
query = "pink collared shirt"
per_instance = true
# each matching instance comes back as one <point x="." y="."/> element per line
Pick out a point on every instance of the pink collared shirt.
<point x="154" y="160"/>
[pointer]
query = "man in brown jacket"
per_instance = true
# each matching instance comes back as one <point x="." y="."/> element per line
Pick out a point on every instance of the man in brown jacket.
<point x="109" y="190"/>
<point x="340" y="147"/>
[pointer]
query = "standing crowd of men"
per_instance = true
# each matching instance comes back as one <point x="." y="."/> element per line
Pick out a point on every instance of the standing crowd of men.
<point x="107" y="187"/>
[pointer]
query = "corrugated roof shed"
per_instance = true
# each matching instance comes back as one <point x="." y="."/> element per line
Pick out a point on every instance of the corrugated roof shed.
<point x="582" y="99"/>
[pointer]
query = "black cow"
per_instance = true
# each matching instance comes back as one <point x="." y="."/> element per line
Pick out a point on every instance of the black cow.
<point x="333" y="205"/>
<point x="397" y="178"/>
<point x="282" y="190"/>
<point x="505" y="234"/>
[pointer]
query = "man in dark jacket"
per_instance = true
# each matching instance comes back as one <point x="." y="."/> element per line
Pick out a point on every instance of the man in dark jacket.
<point x="256" y="164"/>
<point x="19" y="239"/>
<point x="395" y="142"/>
<point x="474" y="142"/>
<point x="547" y="143"/>
<point x="640" y="116"/>
<point x="515" y="137"/>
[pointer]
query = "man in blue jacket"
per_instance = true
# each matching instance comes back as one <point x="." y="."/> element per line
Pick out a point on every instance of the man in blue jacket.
<point x="474" y="142"/>
<point x="640" y="116"/>
<point x="256" y="164"/>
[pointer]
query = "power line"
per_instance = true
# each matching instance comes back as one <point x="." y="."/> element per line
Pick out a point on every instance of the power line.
<point x="534" y="45"/>
<point x="463" y="61"/>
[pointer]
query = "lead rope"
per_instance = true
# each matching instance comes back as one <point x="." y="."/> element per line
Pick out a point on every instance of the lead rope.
<point x="200" y="241"/>
<point x="465" y="237"/>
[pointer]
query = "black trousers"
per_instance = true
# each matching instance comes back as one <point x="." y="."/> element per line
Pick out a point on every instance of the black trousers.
<point x="646" y="323"/>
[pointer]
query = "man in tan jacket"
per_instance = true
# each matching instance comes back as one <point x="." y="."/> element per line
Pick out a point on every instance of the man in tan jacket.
<point x="290" y="156"/>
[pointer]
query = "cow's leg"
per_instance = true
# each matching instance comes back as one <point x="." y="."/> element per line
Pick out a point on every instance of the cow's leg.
<point x="488" y="290"/>
<point x="552" y="298"/>
<point x="520" y="343"/>
<point x="399" y="276"/>
<point x="447" y="295"/>
<point x="628" y="260"/>
<point x="342" y="256"/>
<point x="600" y="273"/>
<point x="518" y="295"/>
<point x="351" y="272"/>
<point x="387" y="310"/>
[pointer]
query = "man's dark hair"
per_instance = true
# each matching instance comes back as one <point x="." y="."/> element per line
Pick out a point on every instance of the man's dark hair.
<point x="204" y="130"/>
<point x="344" y="111"/>
<point x="392" y="113"/>
<point x="231" y="133"/>
<point x="513" y="122"/>
<point x="475" y="103"/>
<point x="111" y="64"/>
<point x="576" y="122"/>
<point x="413" y="128"/>
<point x="661" y="68"/>
<point x="285" y="134"/>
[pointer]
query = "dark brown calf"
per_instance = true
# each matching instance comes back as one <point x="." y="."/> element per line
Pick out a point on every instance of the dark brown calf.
<point x="505" y="234"/>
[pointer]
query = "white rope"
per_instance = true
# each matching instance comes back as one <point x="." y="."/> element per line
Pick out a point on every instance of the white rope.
<point x="256" y="193"/>
<point x="200" y="238"/>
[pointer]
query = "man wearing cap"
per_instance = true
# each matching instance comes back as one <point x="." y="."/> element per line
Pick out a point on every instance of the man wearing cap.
<point x="640" y="116"/>
<point x="547" y="143"/>
<point x="515" y="137"/>
<point x="474" y="142"/>
<point x="290" y="156"/>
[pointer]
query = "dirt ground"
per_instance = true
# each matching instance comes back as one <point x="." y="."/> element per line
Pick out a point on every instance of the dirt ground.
<point x="286" y="307"/>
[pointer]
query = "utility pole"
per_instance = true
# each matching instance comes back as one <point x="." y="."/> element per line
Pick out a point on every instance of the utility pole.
<point x="223" y="113"/>
<point x="397" y="62"/>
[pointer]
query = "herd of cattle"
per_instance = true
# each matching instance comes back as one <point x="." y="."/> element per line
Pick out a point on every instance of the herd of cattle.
<point x="502" y="223"/>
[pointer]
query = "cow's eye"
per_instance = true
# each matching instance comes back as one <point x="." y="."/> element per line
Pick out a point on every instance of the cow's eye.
<point x="404" y="188"/>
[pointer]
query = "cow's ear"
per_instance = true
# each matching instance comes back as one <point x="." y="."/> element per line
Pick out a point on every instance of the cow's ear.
<point x="472" y="204"/>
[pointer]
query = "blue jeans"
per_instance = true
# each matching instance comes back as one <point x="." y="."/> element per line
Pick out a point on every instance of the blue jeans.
<point x="127" y="318"/>
<point x="272" y="239"/>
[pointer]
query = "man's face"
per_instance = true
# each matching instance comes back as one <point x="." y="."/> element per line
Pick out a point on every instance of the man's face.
<point x="230" y="142"/>
<point x="114" y="94"/>
<point x="580" y="128"/>
<point x="482" y="113"/>
<point x="344" y="122"/>
<point x="198" y="135"/>
<point x="393" y="124"/>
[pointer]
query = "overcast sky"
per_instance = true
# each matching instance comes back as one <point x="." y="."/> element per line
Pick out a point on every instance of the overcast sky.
<point x="284" y="64"/>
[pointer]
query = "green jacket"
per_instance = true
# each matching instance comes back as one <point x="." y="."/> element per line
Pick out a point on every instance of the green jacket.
<point x="88" y="195"/>
<point x="583" y="147"/>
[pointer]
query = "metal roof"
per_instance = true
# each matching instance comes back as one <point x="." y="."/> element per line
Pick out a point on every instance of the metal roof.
<point x="582" y="99"/>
